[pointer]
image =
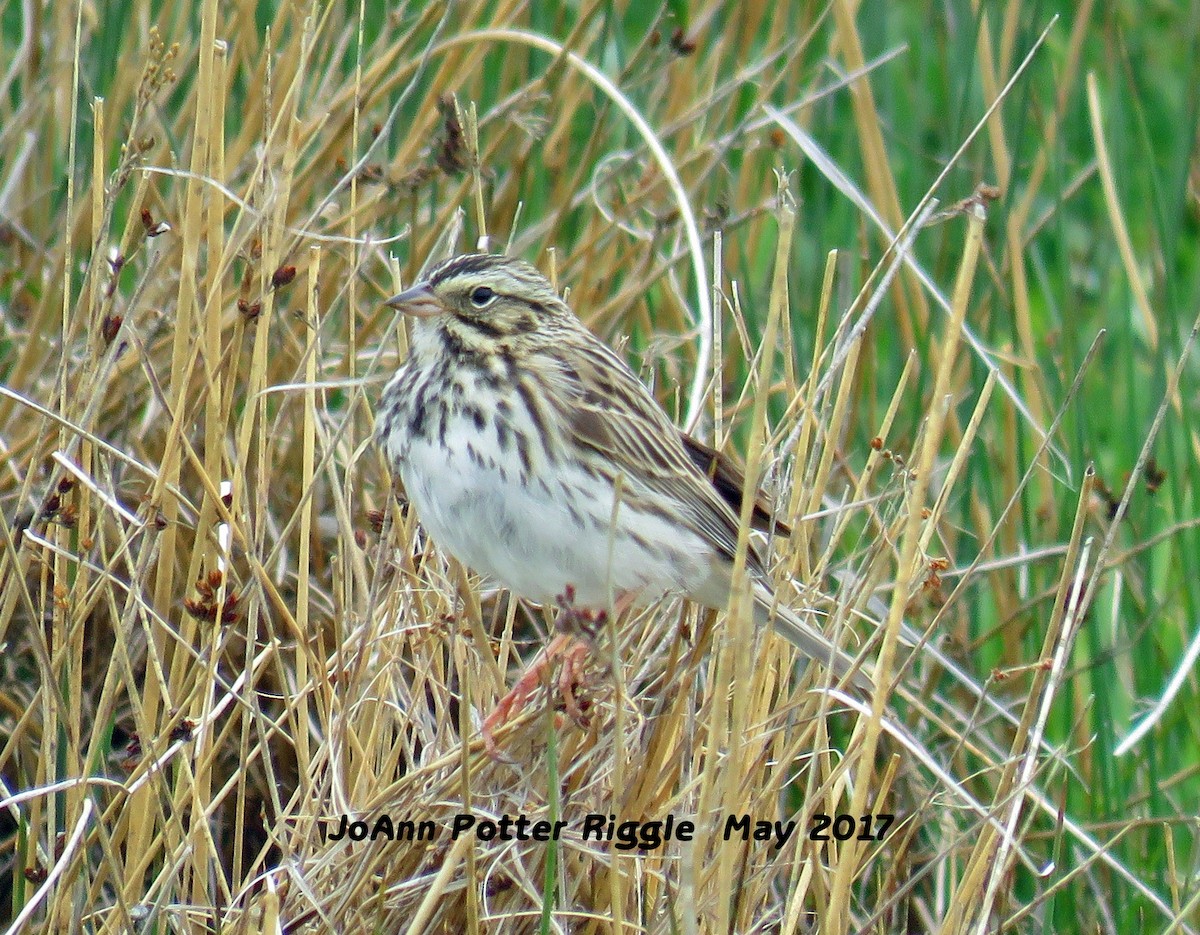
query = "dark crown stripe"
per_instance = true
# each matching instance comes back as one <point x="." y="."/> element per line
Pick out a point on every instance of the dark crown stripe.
<point x="465" y="265"/>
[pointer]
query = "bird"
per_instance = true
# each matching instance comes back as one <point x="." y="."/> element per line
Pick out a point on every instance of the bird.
<point x="533" y="454"/>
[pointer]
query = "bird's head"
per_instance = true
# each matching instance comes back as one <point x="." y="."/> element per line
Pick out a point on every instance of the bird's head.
<point x="483" y="296"/>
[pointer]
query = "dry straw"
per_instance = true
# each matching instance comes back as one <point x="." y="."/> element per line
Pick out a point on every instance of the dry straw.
<point x="222" y="630"/>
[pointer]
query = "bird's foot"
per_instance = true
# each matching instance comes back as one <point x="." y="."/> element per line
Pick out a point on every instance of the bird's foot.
<point x="572" y="651"/>
<point x="576" y="632"/>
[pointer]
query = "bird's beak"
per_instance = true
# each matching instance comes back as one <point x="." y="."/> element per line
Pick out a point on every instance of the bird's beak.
<point x="419" y="300"/>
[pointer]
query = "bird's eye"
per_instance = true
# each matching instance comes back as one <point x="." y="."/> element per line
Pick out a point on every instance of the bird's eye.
<point x="482" y="297"/>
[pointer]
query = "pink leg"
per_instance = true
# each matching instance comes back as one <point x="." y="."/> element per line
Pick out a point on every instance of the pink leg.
<point x="566" y="645"/>
<point x="570" y="675"/>
<point x="512" y="703"/>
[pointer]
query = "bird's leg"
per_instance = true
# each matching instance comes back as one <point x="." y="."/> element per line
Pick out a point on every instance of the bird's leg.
<point x="571" y="622"/>
<point x="512" y="703"/>
<point x="577" y="630"/>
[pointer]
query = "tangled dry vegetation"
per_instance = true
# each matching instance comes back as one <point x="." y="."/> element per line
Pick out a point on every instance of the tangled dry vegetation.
<point x="222" y="630"/>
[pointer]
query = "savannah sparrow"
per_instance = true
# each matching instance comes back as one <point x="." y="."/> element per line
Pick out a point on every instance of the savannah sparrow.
<point x="533" y="454"/>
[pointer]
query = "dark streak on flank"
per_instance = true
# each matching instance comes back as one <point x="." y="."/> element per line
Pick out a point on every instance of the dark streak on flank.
<point x="442" y="419"/>
<point x="523" y="453"/>
<point x="416" y="424"/>
<point x="576" y="516"/>
<point x="475" y="414"/>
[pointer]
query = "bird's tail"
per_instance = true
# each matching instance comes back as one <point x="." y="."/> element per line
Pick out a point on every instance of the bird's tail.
<point x="801" y="631"/>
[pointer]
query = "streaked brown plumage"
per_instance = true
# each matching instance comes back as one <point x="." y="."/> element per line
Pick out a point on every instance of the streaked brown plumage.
<point x="533" y="454"/>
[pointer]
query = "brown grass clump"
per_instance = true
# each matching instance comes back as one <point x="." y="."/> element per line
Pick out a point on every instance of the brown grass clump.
<point x="222" y="631"/>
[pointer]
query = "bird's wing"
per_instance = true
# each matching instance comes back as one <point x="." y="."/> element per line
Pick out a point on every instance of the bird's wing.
<point x="728" y="477"/>
<point x="610" y="411"/>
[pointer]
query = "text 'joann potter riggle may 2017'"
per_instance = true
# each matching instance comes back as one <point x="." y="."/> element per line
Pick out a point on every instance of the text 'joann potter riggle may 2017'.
<point x="624" y="835"/>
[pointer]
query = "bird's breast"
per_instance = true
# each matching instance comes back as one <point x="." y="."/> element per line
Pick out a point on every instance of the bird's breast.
<point x="491" y="490"/>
